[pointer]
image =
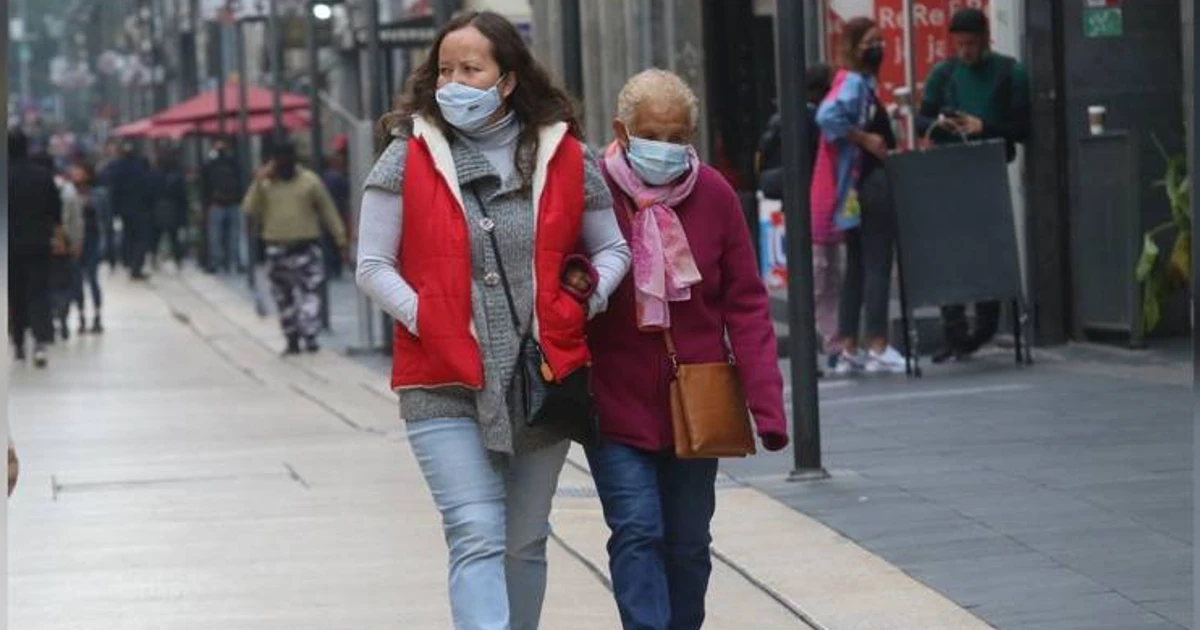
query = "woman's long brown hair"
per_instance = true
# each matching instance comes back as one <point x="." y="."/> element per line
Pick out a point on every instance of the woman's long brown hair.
<point x="536" y="100"/>
<point x="852" y="36"/>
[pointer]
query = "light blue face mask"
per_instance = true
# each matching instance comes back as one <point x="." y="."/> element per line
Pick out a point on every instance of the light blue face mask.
<point x="467" y="108"/>
<point x="658" y="163"/>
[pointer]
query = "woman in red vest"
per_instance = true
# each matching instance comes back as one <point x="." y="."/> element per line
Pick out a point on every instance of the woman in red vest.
<point x="473" y="221"/>
<point x="696" y="276"/>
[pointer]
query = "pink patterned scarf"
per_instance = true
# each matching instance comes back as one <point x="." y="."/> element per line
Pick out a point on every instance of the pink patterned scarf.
<point x="663" y="267"/>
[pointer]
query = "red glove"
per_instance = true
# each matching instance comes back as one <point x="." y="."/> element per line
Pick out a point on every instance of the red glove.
<point x="773" y="440"/>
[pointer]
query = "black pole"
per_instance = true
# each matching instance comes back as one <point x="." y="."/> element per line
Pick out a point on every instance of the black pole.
<point x="572" y="37"/>
<point x="157" y="42"/>
<point x="221" y="78"/>
<point x="1193" y="169"/>
<point x="243" y="143"/>
<point x="793" y="103"/>
<point x="314" y="128"/>
<point x="243" y="96"/>
<point x="276" y="48"/>
<point x="314" y="82"/>
<point x="443" y="10"/>
<point x="376" y="104"/>
<point x="192" y="50"/>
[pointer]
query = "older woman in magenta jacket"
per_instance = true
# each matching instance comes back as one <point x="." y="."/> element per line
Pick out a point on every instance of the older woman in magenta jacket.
<point x="694" y="273"/>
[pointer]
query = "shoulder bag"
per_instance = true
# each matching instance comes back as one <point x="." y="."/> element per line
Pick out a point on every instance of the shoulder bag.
<point x="565" y="403"/>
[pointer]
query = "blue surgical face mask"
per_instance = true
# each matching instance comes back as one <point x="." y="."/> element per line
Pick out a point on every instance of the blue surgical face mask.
<point x="658" y="163"/>
<point x="467" y="108"/>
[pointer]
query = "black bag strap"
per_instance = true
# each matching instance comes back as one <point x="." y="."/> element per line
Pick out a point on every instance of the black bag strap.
<point x="495" y="243"/>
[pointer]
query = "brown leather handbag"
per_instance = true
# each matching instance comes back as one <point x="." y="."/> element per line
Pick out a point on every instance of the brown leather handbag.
<point x="708" y="409"/>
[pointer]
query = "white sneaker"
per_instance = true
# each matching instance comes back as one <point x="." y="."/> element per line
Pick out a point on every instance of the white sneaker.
<point x="887" y="362"/>
<point x="851" y="363"/>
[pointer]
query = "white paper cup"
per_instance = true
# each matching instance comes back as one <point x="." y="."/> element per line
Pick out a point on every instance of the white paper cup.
<point x="1096" y="115"/>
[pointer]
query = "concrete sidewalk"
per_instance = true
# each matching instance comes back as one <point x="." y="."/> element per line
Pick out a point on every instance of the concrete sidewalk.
<point x="179" y="474"/>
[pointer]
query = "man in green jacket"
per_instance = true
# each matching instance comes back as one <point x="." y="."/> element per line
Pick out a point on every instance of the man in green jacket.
<point x="978" y="94"/>
<point x="290" y="204"/>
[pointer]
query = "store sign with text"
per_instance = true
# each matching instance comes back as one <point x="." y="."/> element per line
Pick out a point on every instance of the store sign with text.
<point x="928" y="23"/>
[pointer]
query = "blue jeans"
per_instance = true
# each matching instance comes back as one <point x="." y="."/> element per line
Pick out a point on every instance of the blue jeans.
<point x="89" y="266"/>
<point x="659" y="509"/>
<point x="496" y="516"/>
<point x="225" y="237"/>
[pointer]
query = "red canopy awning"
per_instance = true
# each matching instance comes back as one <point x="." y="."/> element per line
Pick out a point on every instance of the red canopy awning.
<point x="134" y="129"/>
<point x="205" y="106"/>
<point x="145" y="128"/>
<point x="262" y="122"/>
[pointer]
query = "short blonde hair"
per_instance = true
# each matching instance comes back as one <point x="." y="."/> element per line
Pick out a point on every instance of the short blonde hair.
<point x="655" y="83"/>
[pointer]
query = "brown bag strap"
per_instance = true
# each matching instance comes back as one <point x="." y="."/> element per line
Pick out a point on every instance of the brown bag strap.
<point x="672" y="351"/>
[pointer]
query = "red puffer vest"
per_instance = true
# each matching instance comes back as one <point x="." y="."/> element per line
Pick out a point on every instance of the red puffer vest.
<point x="435" y="258"/>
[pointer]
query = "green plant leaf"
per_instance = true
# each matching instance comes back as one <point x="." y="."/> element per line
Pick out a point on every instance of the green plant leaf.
<point x="1179" y="264"/>
<point x="1151" y="309"/>
<point x="1148" y="259"/>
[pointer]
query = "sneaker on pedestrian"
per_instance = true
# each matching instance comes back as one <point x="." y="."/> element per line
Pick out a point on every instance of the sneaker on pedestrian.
<point x="311" y="345"/>
<point x="39" y="357"/>
<point x="97" y="326"/>
<point x="887" y="362"/>
<point x="83" y="327"/>
<point x="293" y="346"/>
<point x="848" y="363"/>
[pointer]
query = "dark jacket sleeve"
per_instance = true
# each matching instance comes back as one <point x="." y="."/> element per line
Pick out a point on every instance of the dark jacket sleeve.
<point x="747" y="314"/>
<point x="205" y="186"/>
<point x="54" y="202"/>
<point x="179" y="193"/>
<point x="1014" y="128"/>
<point x="933" y="102"/>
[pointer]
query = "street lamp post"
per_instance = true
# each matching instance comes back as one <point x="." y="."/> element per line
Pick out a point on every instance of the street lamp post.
<point x="806" y="425"/>
<point x="275" y="45"/>
<point x="375" y="80"/>
<point x="314" y="82"/>
<point x="314" y="120"/>
<point x="443" y="10"/>
<point x="243" y="150"/>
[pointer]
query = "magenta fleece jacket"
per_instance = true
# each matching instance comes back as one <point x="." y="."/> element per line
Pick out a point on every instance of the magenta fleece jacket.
<point x="631" y="372"/>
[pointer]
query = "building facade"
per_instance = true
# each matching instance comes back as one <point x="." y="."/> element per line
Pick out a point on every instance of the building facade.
<point x="726" y="50"/>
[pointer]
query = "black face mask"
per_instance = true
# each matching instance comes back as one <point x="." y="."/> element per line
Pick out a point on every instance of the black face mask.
<point x="872" y="58"/>
<point x="285" y="169"/>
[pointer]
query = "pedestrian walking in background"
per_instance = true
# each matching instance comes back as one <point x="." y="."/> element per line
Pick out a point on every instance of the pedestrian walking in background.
<point x="171" y="207"/>
<point x="978" y="94"/>
<point x="470" y="219"/>
<point x="769" y="160"/>
<point x="35" y="214"/>
<point x="853" y="116"/>
<point x="769" y="157"/>
<point x="103" y="199"/>
<point x="290" y="204"/>
<point x="221" y="191"/>
<point x="66" y="249"/>
<point x="843" y="117"/>
<point x="133" y="194"/>
<point x="337" y="182"/>
<point x="694" y="286"/>
<point x="94" y="220"/>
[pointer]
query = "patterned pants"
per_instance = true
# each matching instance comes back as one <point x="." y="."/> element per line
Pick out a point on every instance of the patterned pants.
<point x="296" y="272"/>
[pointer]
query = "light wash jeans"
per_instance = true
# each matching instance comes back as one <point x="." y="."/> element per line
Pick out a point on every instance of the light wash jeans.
<point x="226" y="245"/>
<point x="496" y="516"/>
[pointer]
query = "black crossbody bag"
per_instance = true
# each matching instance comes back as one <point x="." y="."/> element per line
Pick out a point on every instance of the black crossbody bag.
<point x="544" y="402"/>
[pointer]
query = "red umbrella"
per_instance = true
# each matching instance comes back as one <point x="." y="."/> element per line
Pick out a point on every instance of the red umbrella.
<point x="134" y="129"/>
<point x="262" y="122"/>
<point x="205" y="106"/>
<point x="145" y="128"/>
